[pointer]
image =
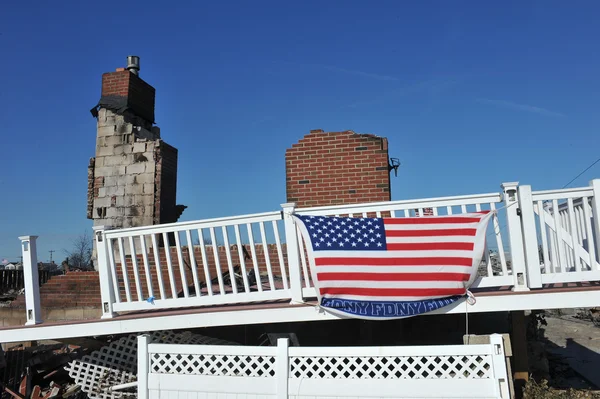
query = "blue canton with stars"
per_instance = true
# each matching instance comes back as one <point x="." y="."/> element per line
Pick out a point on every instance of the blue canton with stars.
<point x="342" y="233"/>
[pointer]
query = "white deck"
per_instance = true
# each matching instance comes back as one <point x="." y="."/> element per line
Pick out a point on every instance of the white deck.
<point x="552" y="238"/>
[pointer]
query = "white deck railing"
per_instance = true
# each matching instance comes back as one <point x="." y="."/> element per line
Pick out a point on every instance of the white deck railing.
<point x="281" y="372"/>
<point x="537" y="237"/>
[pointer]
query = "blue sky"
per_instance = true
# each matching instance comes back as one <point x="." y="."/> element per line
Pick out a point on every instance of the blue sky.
<point x="469" y="94"/>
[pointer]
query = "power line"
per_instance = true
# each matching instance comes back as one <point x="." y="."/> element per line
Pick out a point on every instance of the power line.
<point x="585" y="170"/>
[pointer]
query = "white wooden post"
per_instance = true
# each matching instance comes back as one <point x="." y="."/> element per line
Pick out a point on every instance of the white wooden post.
<point x="282" y="370"/>
<point x="596" y="214"/>
<point x="530" y="241"/>
<point x="107" y="293"/>
<point x="32" y="280"/>
<point x="515" y="235"/>
<point x="293" y="254"/>
<point x="143" y="366"/>
<point x="499" y="365"/>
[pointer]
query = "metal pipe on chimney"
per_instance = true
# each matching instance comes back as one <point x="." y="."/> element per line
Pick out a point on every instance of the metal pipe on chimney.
<point x="133" y="64"/>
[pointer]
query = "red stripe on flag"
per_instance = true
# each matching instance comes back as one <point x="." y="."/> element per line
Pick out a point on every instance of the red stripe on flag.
<point x="393" y="276"/>
<point x="431" y="233"/>
<point x="429" y="261"/>
<point x="431" y="246"/>
<point x="415" y="292"/>
<point x="431" y="220"/>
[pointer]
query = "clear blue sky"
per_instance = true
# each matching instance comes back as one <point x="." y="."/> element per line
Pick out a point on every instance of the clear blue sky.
<point x="469" y="94"/>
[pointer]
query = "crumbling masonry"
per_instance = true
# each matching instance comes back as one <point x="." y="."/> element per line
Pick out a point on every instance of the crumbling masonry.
<point x="132" y="180"/>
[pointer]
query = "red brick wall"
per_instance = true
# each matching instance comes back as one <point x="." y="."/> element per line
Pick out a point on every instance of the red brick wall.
<point x="140" y="95"/>
<point x="73" y="289"/>
<point x="329" y="168"/>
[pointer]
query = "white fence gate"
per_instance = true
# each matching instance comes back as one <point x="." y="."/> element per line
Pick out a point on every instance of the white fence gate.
<point x="167" y="371"/>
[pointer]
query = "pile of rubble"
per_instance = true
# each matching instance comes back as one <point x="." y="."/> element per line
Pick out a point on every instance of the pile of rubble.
<point x="10" y="295"/>
<point x="38" y="372"/>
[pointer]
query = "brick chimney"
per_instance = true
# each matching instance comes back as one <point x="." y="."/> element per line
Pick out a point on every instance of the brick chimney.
<point x="132" y="180"/>
<point x="331" y="168"/>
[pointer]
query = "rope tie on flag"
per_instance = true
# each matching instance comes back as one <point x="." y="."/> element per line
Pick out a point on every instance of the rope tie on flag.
<point x="469" y="301"/>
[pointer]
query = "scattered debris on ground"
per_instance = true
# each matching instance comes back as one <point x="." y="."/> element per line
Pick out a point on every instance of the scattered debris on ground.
<point x="535" y="390"/>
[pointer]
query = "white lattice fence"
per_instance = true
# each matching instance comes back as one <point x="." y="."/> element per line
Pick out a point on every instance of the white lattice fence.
<point x="461" y="371"/>
<point x="116" y="363"/>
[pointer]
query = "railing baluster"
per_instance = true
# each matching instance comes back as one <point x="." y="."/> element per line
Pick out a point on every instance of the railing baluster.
<point x="406" y="213"/>
<point x="144" y="250"/>
<point x="113" y="270"/>
<point x="378" y="214"/>
<point x="124" y="270"/>
<point x="263" y="237"/>
<point x="303" y="260"/>
<point x="161" y="284"/>
<point x="167" y="248"/>
<point x="280" y="255"/>
<point x="557" y="226"/>
<point x="254" y="260"/>
<point x="543" y="228"/>
<point x="477" y="207"/>
<point x="571" y="214"/>
<point x="449" y="210"/>
<point x="238" y="240"/>
<point x="499" y="241"/>
<point x="205" y="263"/>
<point x="393" y="213"/>
<point x="596" y="212"/>
<point x="134" y="266"/>
<point x="184" y="284"/>
<point x="590" y="235"/>
<point x="193" y="265"/>
<point x="31" y="282"/>
<point x="215" y="248"/>
<point x="435" y="211"/>
<point x="229" y="260"/>
<point x="463" y="208"/>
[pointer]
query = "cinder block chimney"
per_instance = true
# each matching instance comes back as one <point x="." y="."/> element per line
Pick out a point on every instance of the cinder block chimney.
<point x="132" y="180"/>
<point x="331" y="168"/>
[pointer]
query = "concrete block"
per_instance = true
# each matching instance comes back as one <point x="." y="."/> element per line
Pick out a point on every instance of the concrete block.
<point x="115" y="212"/>
<point x="92" y="313"/>
<point x="149" y="210"/>
<point x="121" y="180"/>
<point x="149" y="155"/>
<point x="134" y="210"/>
<point x="99" y="162"/>
<point x="56" y="314"/>
<point x="135" y="168"/>
<point x="104" y="151"/>
<point x="106" y="130"/>
<point x="114" y="190"/>
<point x="102" y="202"/>
<point x="111" y="181"/>
<point x="112" y="141"/>
<point x="74" y="313"/>
<point x="139" y="147"/>
<point x="134" y="189"/>
<point x="115" y="160"/>
<point x="120" y="149"/>
<point x="145" y="178"/>
<point x="148" y="188"/>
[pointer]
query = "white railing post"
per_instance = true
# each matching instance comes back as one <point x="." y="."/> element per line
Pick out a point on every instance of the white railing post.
<point x="530" y="241"/>
<point x="31" y="279"/>
<point x="499" y="365"/>
<point x="282" y="370"/>
<point x="515" y="235"/>
<point x="596" y="214"/>
<point x="107" y="293"/>
<point x="293" y="254"/>
<point x="143" y="366"/>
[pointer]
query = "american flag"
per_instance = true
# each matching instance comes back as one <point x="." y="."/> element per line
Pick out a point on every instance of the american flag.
<point x="390" y="261"/>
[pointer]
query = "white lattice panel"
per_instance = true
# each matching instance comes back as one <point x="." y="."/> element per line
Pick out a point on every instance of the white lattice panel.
<point x="215" y="365"/>
<point x="392" y="367"/>
<point x="116" y="363"/>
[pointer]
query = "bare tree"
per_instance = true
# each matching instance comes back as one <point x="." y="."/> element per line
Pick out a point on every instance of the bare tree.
<point x="80" y="254"/>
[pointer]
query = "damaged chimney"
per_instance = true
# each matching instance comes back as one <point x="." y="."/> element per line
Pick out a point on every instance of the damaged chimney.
<point x="132" y="181"/>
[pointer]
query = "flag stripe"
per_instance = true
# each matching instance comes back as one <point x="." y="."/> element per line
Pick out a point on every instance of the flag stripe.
<point x="393" y="276"/>
<point x="396" y="292"/>
<point x="431" y="246"/>
<point x="431" y="233"/>
<point x="394" y="269"/>
<point x="429" y="261"/>
<point x="431" y="220"/>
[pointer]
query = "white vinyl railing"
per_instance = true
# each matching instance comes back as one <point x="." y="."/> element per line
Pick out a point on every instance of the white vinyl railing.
<point x="281" y="372"/>
<point x="563" y="236"/>
<point x="537" y="238"/>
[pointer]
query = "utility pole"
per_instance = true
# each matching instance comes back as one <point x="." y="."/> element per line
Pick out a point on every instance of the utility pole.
<point x="51" y="252"/>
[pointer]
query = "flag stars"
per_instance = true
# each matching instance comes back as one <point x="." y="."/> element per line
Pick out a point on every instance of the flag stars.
<point x="335" y="233"/>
